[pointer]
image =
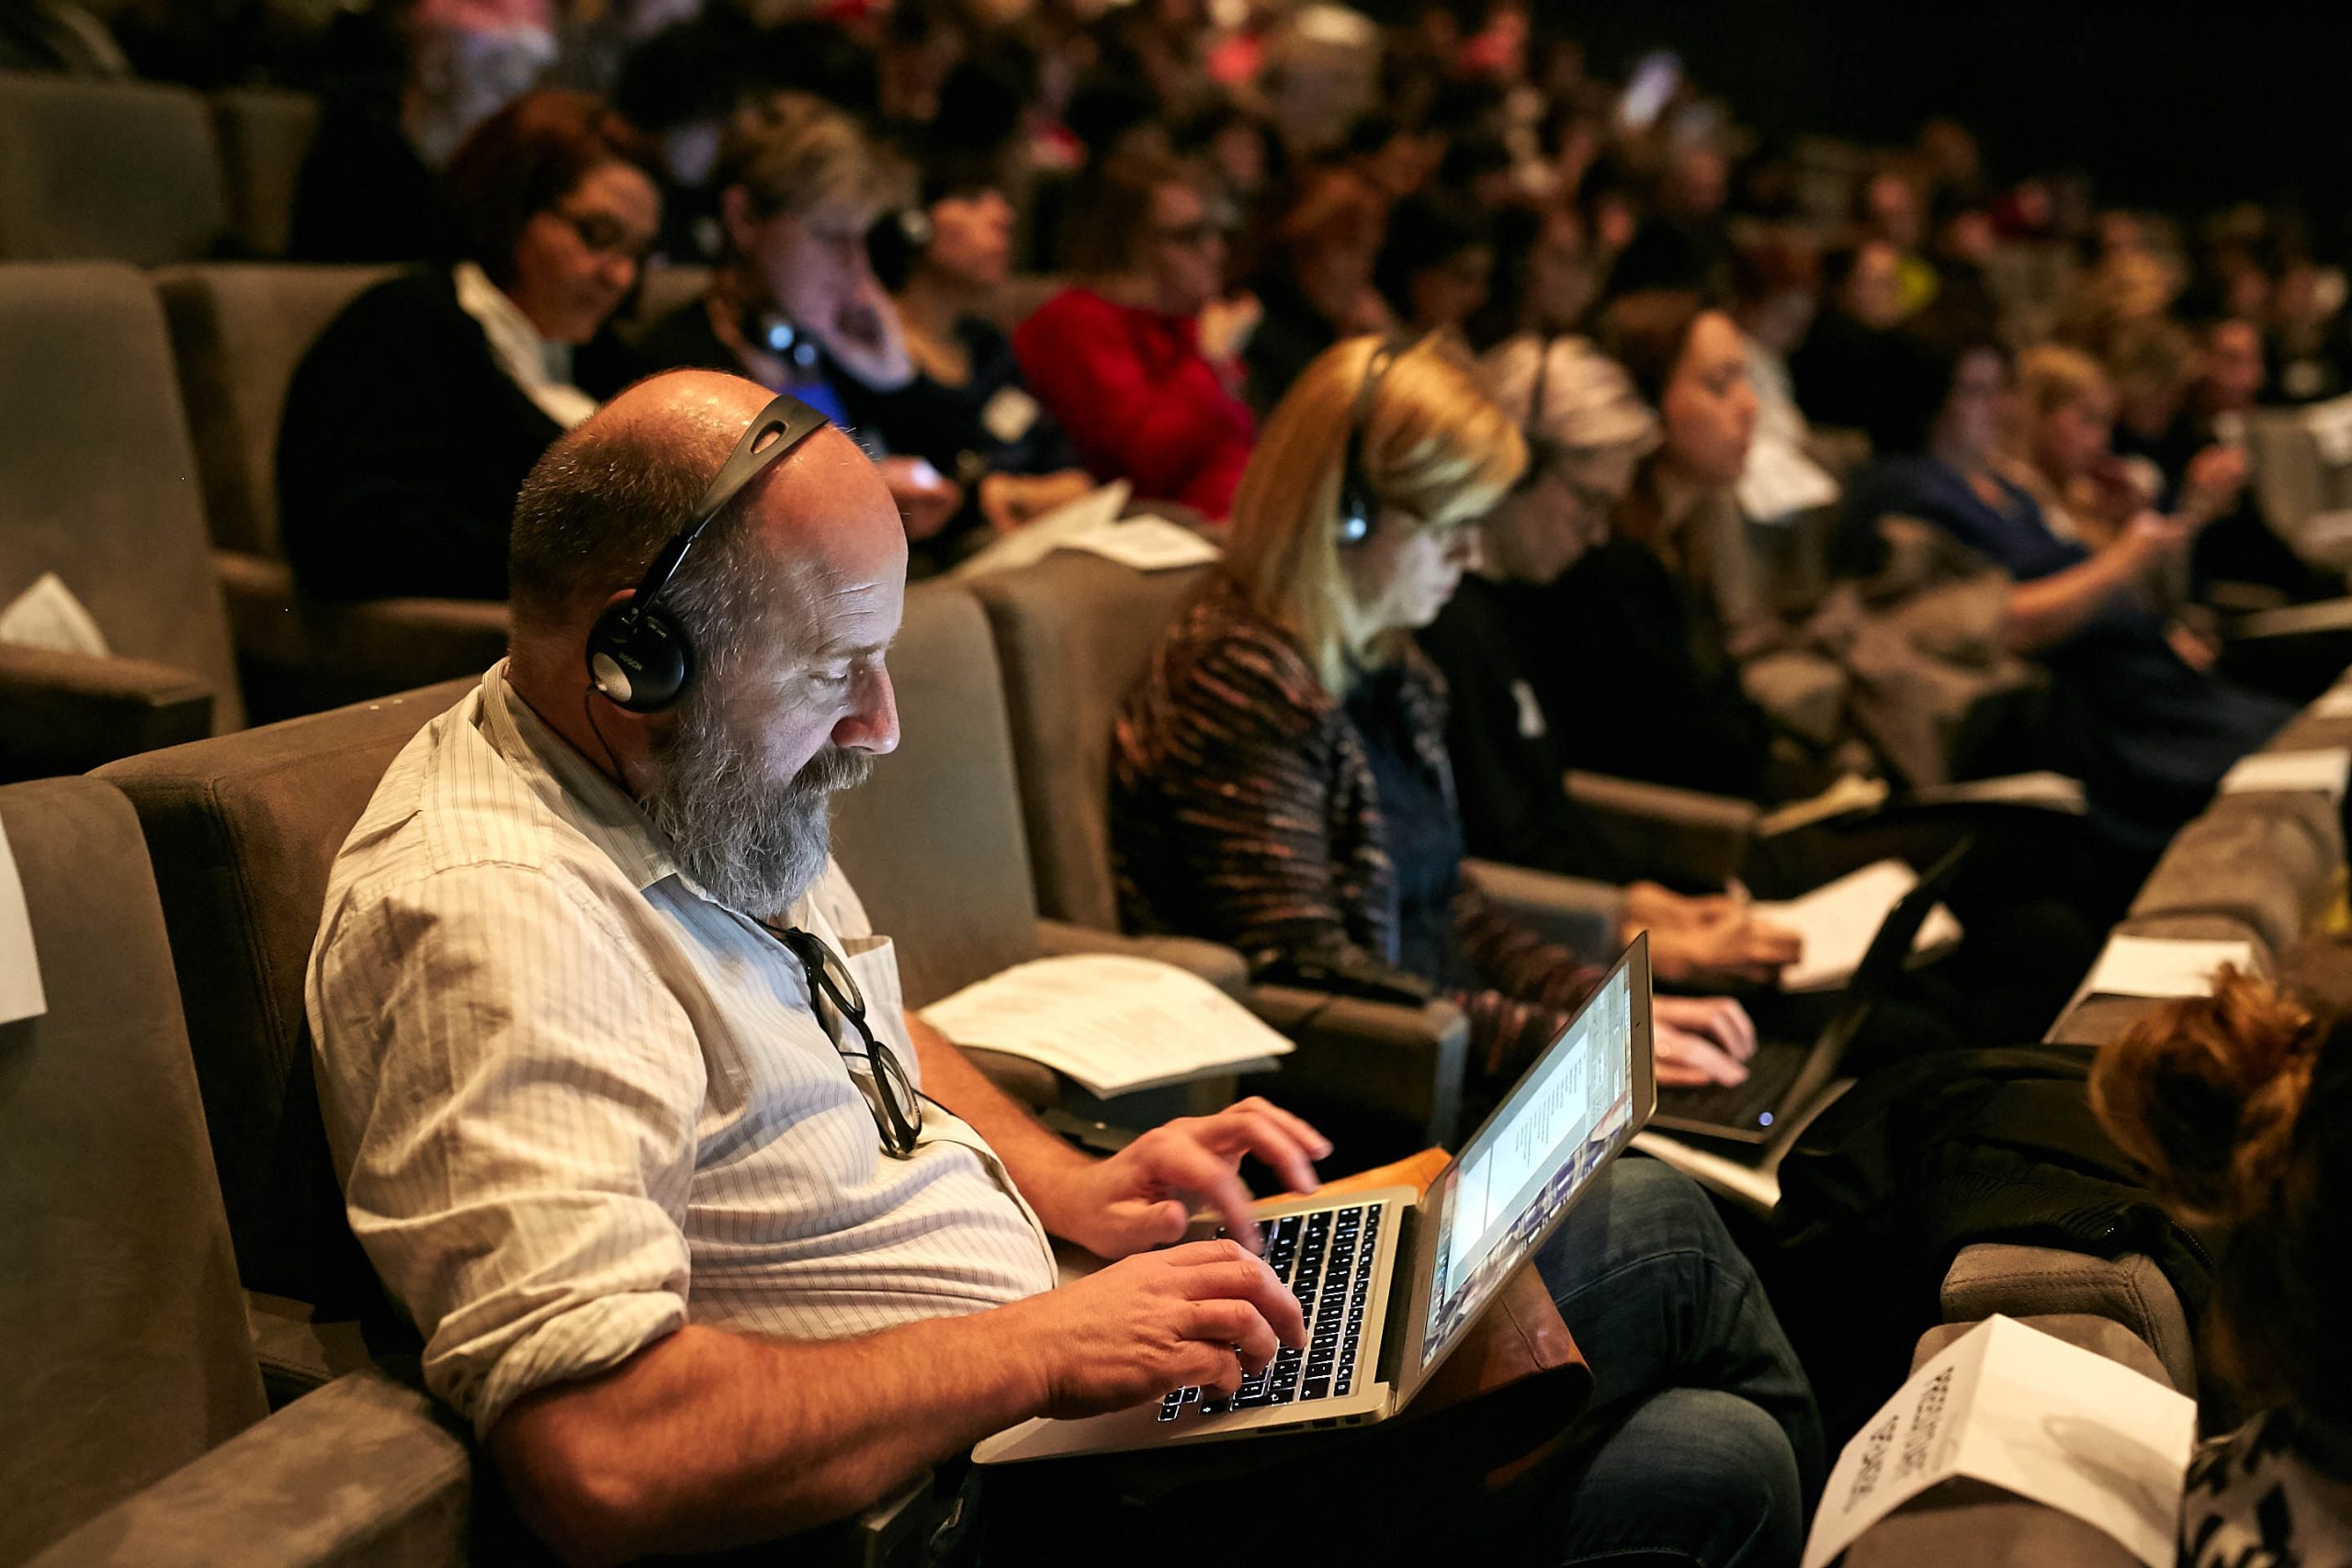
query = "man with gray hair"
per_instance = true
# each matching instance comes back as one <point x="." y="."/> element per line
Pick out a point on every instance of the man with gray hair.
<point x="709" y="1240"/>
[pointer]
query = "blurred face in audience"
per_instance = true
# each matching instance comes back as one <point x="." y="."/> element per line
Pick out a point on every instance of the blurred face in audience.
<point x="1708" y="415"/>
<point x="1892" y="207"/>
<point x="1873" y="294"/>
<point x="575" y="261"/>
<point x="1969" y="429"/>
<point x="2069" y="439"/>
<point x="1183" y="254"/>
<point x="1560" y="276"/>
<point x="971" y="240"/>
<point x="1444" y="296"/>
<point x="1403" y="575"/>
<point x="2233" y="366"/>
<point x="814" y="263"/>
<point x="1557" y="513"/>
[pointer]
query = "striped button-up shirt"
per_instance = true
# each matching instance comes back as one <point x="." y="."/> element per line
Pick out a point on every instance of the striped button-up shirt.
<point x="576" y="1103"/>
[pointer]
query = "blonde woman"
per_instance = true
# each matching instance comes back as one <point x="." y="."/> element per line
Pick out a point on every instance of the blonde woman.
<point x="1279" y="781"/>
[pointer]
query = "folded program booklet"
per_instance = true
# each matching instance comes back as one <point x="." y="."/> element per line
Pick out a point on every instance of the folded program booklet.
<point x="1114" y="1023"/>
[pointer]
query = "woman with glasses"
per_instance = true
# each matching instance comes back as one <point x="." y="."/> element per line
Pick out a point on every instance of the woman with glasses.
<point x="1279" y="781"/>
<point x="411" y="423"/>
<point x="1140" y="359"/>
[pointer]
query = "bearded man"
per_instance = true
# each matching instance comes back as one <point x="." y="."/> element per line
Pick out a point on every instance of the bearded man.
<point x="627" y="1112"/>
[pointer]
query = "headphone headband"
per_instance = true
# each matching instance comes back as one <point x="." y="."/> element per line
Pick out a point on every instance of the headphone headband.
<point x="639" y="658"/>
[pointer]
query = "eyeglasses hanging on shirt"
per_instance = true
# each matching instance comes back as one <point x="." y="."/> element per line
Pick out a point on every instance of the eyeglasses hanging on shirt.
<point x="890" y="1094"/>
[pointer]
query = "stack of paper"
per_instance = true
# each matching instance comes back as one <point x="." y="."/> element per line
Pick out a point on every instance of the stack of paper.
<point x="1838" y="920"/>
<point x="2164" y="967"/>
<point x="2017" y="1408"/>
<point x="1034" y="540"/>
<point x="1113" y="1022"/>
<point x="2314" y="772"/>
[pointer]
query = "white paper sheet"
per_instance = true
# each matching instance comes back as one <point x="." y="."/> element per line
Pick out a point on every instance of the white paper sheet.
<point x="1851" y="795"/>
<point x="48" y="615"/>
<point x="20" y="992"/>
<point x="1781" y="481"/>
<point x="2046" y="791"/>
<point x="2164" y="967"/>
<point x="1146" y="544"/>
<point x="2336" y="703"/>
<point x="1113" y="1021"/>
<point x="1839" y="919"/>
<point x="2293" y="620"/>
<point x="2316" y="772"/>
<point x="2020" y="1409"/>
<point x="1036" y="539"/>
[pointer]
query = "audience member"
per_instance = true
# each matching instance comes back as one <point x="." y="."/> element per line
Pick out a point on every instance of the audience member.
<point x="1140" y="359"/>
<point x="365" y="192"/>
<point x="410" y="423"/>
<point x="2148" y="733"/>
<point x="795" y="304"/>
<point x="1545" y="279"/>
<point x="966" y="411"/>
<point x="1775" y="297"/>
<point x="1586" y="431"/>
<point x="1436" y="263"/>
<point x="1892" y="211"/>
<point x="672" y="1329"/>
<point x="1837" y="369"/>
<point x="1317" y="285"/>
<point x="2237" y="1103"/>
<point x="1684" y="242"/>
<point x="1647" y="616"/>
<point x="1280" y="779"/>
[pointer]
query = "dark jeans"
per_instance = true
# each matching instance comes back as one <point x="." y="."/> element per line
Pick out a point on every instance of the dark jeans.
<point x="1700" y="1447"/>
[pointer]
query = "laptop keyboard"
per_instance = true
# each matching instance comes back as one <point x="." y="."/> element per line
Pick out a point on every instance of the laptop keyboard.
<point x="1749" y="1103"/>
<point x="1325" y="1258"/>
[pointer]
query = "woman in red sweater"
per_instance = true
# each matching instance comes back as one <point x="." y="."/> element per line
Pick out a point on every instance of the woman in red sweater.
<point x="1140" y="361"/>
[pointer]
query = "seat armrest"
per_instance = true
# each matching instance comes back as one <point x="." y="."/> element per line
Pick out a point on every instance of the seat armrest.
<point x="1212" y="961"/>
<point x="1580" y="914"/>
<point x="67" y="713"/>
<point x="2031" y="1281"/>
<point x="1401" y="1062"/>
<point x="366" y="1470"/>
<point x="1676" y="835"/>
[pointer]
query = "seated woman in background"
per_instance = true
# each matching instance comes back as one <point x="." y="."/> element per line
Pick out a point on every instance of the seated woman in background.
<point x="1279" y="781"/>
<point x="1140" y="360"/>
<point x="795" y="304"/>
<point x="966" y="410"/>
<point x="1439" y="261"/>
<point x="2064" y="453"/>
<point x="2237" y="1105"/>
<point x="1646" y="618"/>
<point x="1316" y="283"/>
<point x="2148" y="733"/>
<point x="1586" y="433"/>
<point x="411" y="423"/>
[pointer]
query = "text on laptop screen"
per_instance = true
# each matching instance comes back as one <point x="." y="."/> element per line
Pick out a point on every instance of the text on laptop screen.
<point x="1551" y="1135"/>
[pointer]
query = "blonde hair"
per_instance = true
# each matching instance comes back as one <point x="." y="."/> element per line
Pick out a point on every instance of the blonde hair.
<point x="2051" y="376"/>
<point x="1433" y="446"/>
<point x="793" y="152"/>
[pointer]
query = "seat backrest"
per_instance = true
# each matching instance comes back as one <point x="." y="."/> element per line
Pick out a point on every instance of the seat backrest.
<point x="265" y="133"/>
<point x="664" y="289"/>
<point x="122" y="170"/>
<point x="1074" y="633"/>
<point x="932" y="840"/>
<point x="126" y="1334"/>
<point x="242" y="830"/>
<point x="238" y="331"/>
<point x="97" y="482"/>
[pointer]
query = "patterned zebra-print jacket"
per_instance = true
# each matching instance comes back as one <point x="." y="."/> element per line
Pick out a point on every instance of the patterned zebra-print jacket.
<point x="1243" y="809"/>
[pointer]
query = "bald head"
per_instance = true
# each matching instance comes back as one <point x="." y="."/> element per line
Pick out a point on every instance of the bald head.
<point x="604" y="499"/>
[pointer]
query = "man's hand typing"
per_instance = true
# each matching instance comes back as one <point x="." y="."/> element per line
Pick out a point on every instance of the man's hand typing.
<point x="1204" y="1312"/>
<point x="1144" y="1195"/>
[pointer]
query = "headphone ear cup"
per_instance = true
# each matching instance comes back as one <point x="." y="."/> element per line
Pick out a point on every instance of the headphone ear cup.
<point x="1355" y="521"/>
<point x="893" y="243"/>
<point x="640" y="662"/>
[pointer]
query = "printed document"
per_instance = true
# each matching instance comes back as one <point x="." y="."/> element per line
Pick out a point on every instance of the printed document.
<point x="1839" y="919"/>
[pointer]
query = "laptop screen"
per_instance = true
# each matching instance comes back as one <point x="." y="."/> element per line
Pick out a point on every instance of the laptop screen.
<point x="1551" y="1133"/>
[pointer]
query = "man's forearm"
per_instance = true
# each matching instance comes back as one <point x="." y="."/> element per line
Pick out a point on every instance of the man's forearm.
<point x="1038" y="1161"/>
<point x="709" y="1438"/>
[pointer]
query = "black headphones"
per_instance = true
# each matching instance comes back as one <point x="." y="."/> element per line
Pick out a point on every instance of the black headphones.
<point x="895" y="242"/>
<point x="638" y="658"/>
<point x="1359" y="507"/>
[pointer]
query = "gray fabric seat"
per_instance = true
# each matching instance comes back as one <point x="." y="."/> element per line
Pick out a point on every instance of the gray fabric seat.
<point x="124" y="171"/>
<point x="264" y="133"/>
<point x="238" y="331"/>
<point x="128" y="1334"/>
<point x="97" y="485"/>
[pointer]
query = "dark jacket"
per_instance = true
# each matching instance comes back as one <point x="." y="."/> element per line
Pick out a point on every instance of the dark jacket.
<point x="401" y="451"/>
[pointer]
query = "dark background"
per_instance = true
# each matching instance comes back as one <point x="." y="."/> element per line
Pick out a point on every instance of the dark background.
<point x="2182" y="107"/>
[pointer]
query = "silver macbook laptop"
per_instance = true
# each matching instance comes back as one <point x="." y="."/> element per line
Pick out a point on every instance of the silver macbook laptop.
<point x="1391" y="1280"/>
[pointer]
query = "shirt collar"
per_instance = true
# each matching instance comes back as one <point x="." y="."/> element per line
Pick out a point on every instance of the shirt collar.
<point x="542" y="369"/>
<point x="573" y="788"/>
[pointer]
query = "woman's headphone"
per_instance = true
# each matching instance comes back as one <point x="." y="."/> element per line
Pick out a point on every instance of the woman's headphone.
<point x="1359" y="507"/>
<point x="639" y="658"/>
